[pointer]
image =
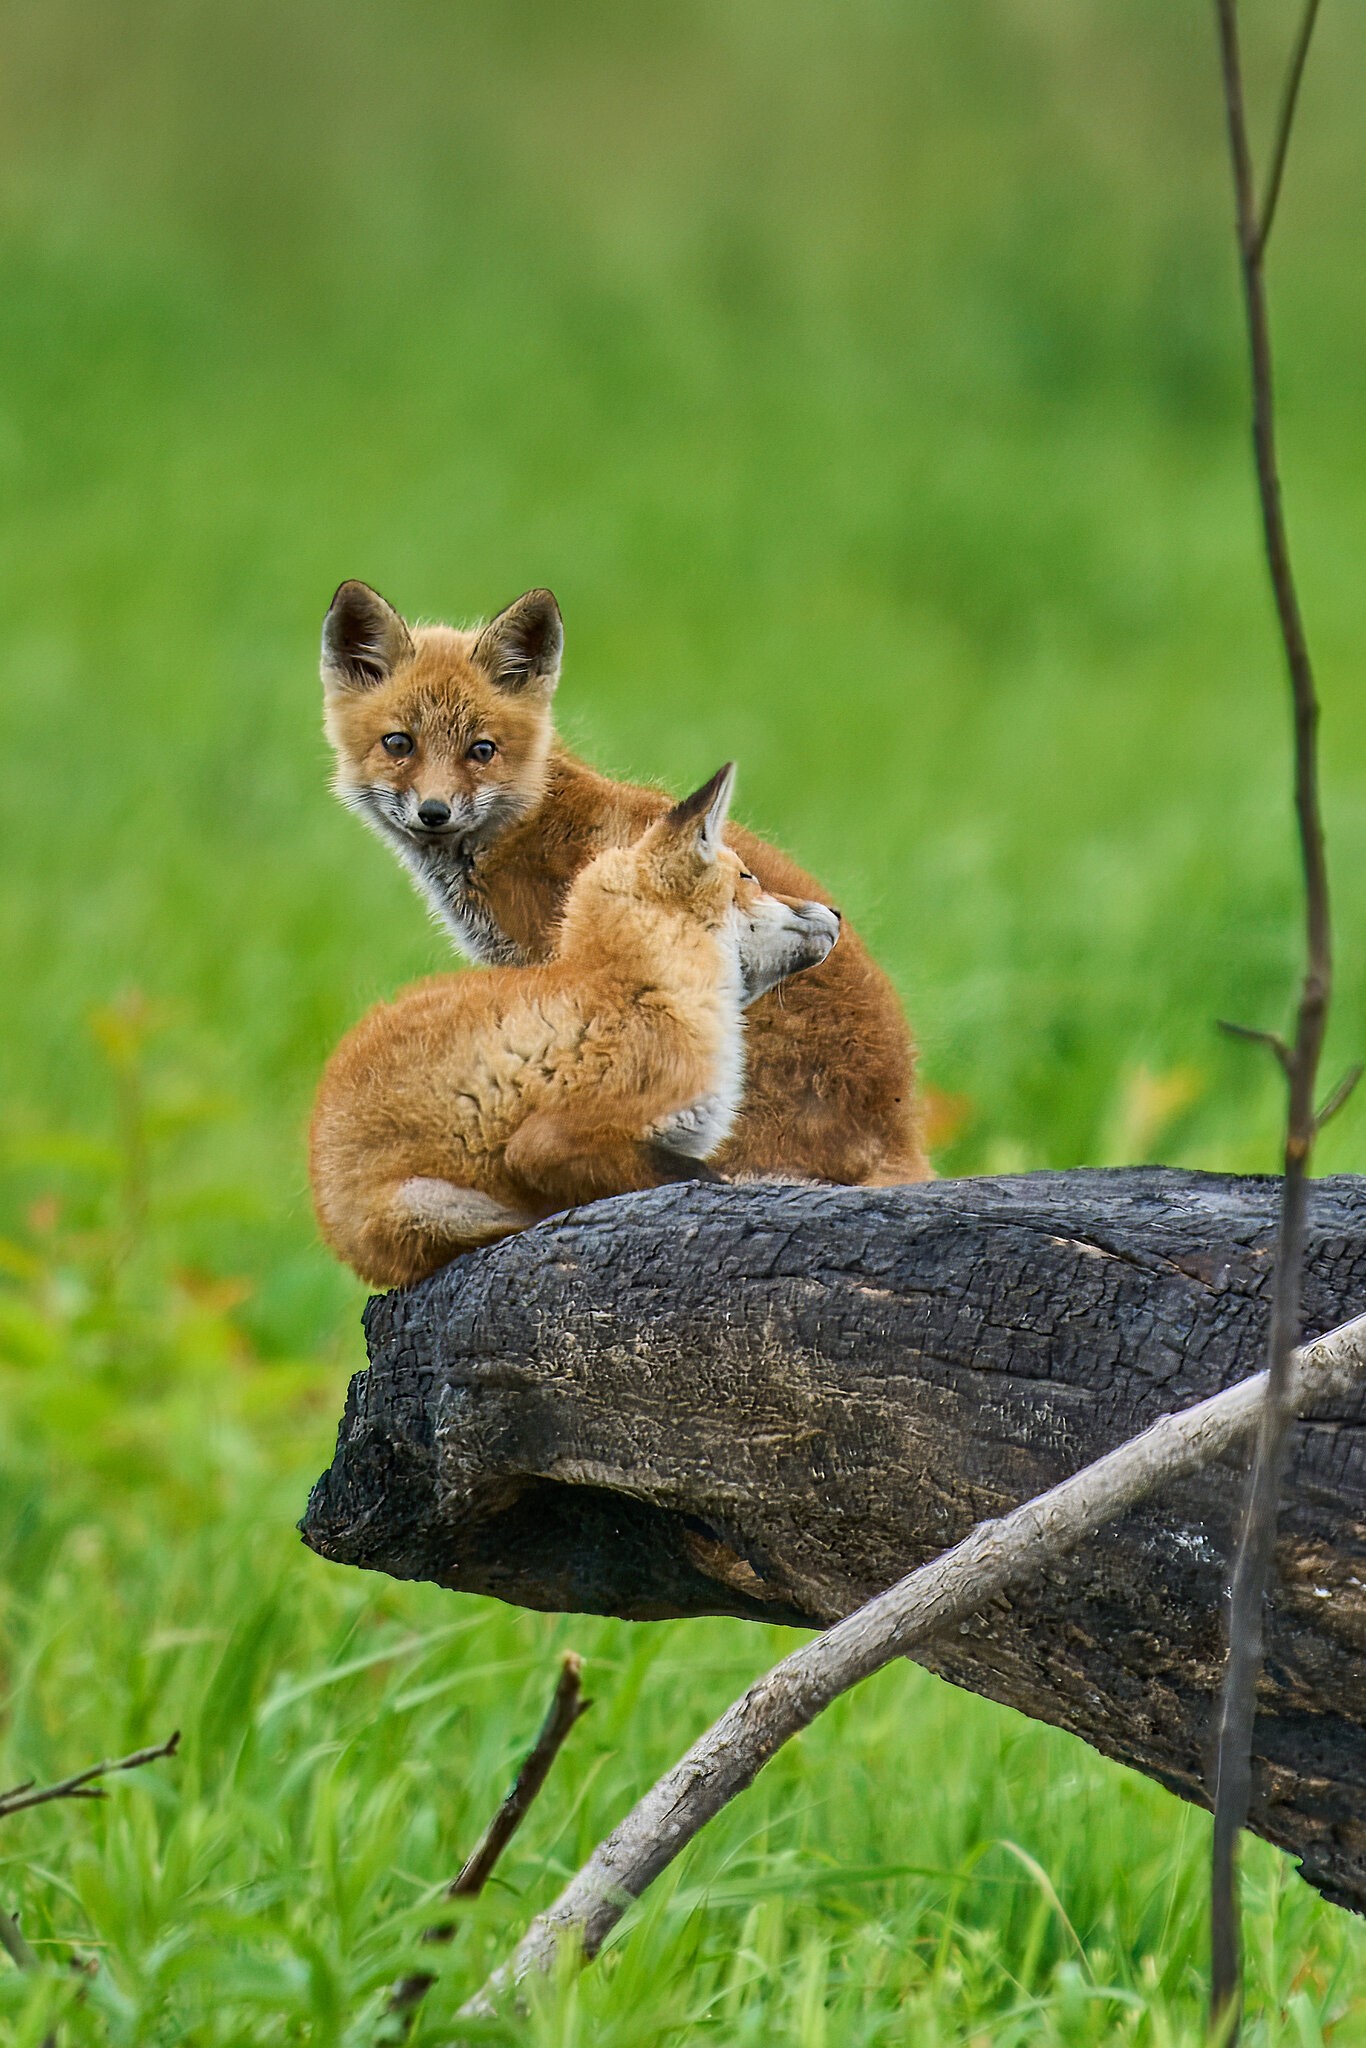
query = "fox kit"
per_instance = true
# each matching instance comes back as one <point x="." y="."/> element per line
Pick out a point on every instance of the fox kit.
<point x="476" y="1104"/>
<point x="445" y="745"/>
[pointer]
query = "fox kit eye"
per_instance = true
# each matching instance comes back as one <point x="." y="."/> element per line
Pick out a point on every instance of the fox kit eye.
<point x="398" y="744"/>
<point x="746" y="876"/>
<point x="482" y="751"/>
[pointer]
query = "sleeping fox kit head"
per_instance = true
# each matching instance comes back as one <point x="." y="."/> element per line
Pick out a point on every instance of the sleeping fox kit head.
<point x="679" y="897"/>
<point x="440" y="736"/>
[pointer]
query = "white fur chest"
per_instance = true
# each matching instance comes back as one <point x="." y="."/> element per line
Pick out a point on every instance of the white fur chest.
<point x="443" y="879"/>
<point x="700" y="1127"/>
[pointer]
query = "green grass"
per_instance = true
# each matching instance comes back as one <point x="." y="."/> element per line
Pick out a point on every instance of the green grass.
<point x="867" y="382"/>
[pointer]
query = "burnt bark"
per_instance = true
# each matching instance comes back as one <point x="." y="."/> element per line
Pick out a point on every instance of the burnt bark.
<point x="773" y="1402"/>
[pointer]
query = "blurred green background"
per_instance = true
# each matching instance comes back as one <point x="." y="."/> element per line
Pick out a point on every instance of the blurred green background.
<point x="868" y="383"/>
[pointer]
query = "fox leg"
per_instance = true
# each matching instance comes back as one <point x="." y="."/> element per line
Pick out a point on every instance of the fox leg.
<point x="569" y="1156"/>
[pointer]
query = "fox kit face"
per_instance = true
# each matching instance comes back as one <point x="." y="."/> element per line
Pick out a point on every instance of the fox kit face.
<point x="686" y="860"/>
<point x="776" y="935"/>
<point x="441" y="737"/>
<point x="680" y="884"/>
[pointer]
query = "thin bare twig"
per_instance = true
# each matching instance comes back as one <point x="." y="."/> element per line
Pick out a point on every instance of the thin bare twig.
<point x="1272" y="1040"/>
<point x="994" y="1558"/>
<point x="1252" y="1567"/>
<point x="81" y="1785"/>
<point x="1290" y="94"/>
<point x="566" y="1706"/>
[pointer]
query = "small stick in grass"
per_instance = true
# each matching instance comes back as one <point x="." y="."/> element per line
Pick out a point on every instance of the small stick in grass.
<point x="81" y="1785"/>
<point x="565" y="1708"/>
<point x="995" y="1557"/>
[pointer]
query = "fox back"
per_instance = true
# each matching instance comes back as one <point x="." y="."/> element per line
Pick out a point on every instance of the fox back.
<point x="445" y="745"/>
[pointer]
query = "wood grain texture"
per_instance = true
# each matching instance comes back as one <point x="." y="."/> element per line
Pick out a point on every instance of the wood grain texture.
<point x="774" y="1401"/>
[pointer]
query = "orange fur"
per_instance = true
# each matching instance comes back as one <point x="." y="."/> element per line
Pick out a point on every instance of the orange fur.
<point x="831" y="1086"/>
<point x="475" y="1104"/>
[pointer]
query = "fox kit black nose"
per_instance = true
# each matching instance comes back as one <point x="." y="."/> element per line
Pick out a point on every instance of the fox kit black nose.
<point x="432" y="812"/>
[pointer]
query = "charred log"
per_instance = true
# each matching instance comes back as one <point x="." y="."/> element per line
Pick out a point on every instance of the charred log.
<point x="772" y="1402"/>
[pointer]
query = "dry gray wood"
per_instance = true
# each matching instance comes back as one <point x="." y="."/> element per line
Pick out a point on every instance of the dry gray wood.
<point x="774" y="1402"/>
<point x="996" y="1557"/>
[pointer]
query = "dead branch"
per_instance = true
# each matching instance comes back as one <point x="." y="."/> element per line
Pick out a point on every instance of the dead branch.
<point x="997" y="1556"/>
<point x="566" y="1706"/>
<point x="1252" y="1568"/>
<point x="565" y="1709"/>
<point x="81" y="1786"/>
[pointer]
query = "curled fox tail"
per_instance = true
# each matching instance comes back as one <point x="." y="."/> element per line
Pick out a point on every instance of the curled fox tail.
<point x="422" y="1223"/>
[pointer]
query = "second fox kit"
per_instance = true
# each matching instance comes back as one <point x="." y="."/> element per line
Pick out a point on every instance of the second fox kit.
<point x="474" y="1105"/>
<point x="445" y="745"/>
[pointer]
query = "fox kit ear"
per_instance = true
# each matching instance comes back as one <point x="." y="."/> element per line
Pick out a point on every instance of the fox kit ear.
<point x="706" y="808"/>
<point x="364" y="639"/>
<point x="523" y="645"/>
